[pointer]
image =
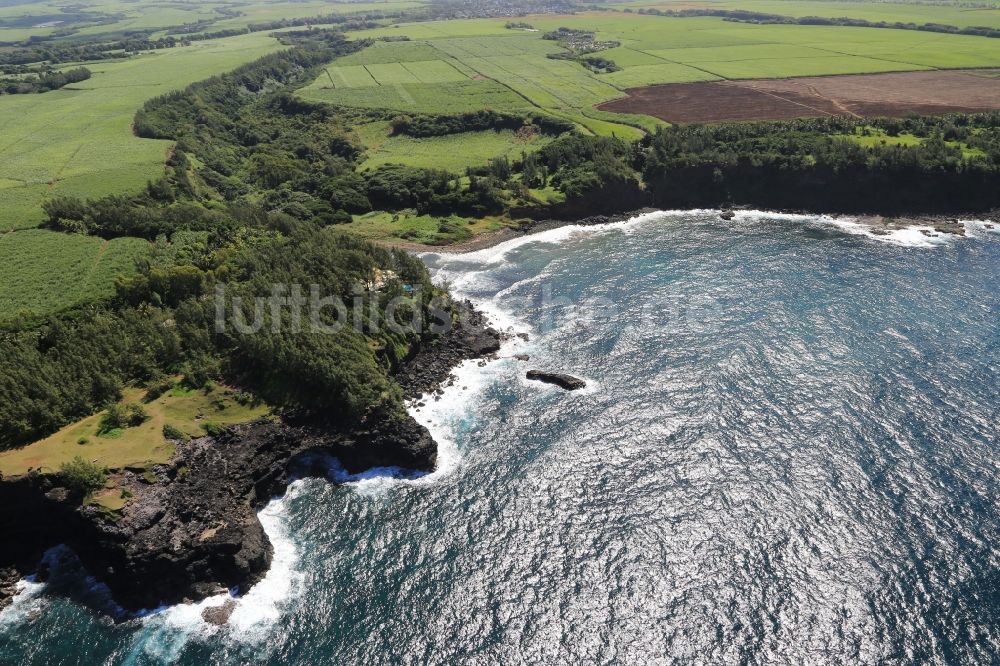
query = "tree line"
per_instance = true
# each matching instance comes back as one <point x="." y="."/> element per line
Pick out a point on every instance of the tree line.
<point x="747" y="16"/>
<point x="821" y="164"/>
<point x="43" y="81"/>
<point x="255" y="209"/>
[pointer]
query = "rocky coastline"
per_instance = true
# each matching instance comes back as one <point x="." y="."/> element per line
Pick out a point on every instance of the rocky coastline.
<point x="190" y="529"/>
<point x="929" y="225"/>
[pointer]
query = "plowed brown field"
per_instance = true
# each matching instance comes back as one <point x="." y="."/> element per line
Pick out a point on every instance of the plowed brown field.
<point x="925" y="93"/>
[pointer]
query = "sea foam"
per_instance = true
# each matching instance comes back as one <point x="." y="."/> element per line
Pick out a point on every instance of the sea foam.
<point x="166" y="631"/>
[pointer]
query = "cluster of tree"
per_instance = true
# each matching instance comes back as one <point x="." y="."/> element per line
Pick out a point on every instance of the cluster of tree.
<point x="44" y="81"/>
<point x="578" y="42"/>
<point x="58" y="52"/>
<point x="747" y="16"/>
<point x="164" y="321"/>
<point x="273" y="172"/>
<point x="800" y="165"/>
<point x="443" y="10"/>
<point x="476" y="121"/>
<point x="73" y="365"/>
<point x="599" y="65"/>
<point x="810" y="164"/>
<point x="72" y="20"/>
<point x="597" y="171"/>
<point x="82" y="476"/>
<point x="519" y="25"/>
<point x="53" y="50"/>
<point x="569" y="34"/>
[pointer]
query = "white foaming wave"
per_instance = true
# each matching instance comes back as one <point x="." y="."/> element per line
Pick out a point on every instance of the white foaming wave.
<point x="166" y="631"/>
<point x="981" y="228"/>
<point x="499" y="253"/>
<point x="27" y="603"/>
<point x="263" y="605"/>
<point x="754" y="215"/>
<point x="446" y="414"/>
<point x="906" y="237"/>
<point x="910" y="236"/>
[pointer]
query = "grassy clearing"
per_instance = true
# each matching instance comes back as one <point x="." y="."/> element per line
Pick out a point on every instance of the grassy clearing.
<point x="79" y="142"/>
<point x="408" y="227"/>
<point x="45" y="271"/>
<point x="453" y="153"/>
<point x="135" y="448"/>
<point x="387" y="52"/>
<point x="878" y="138"/>
<point x="454" y="97"/>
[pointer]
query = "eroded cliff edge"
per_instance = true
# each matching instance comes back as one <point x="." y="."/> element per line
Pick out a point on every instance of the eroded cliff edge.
<point x="192" y="531"/>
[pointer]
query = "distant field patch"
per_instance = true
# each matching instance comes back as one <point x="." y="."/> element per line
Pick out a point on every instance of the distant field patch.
<point x="391" y="73"/>
<point x="490" y="47"/>
<point x="645" y="75"/>
<point x="653" y="50"/>
<point x="456" y="97"/>
<point x="80" y="142"/>
<point x="781" y="68"/>
<point x="45" y="271"/>
<point x="864" y="95"/>
<point x="351" y="76"/>
<point x="387" y="52"/>
<point x="453" y="153"/>
<point x="434" y="71"/>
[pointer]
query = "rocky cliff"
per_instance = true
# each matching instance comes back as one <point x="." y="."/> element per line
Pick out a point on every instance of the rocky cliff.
<point x="191" y="530"/>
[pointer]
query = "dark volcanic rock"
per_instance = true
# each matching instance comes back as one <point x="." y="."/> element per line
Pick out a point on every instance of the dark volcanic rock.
<point x="567" y="382"/>
<point x="198" y="532"/>
<point x="470" y="337"/>
<point x="195" y="531"/>
<point x="727" y="215"/>
<point x="950" y="227"/>
<point x="9" y="577"/>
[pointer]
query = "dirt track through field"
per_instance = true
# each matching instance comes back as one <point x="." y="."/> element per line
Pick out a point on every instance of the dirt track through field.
<point x="898" y="94"/>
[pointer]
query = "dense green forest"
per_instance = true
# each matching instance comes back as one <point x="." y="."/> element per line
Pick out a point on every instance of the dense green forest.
<point x="945" y="164"/>
<point x="207" y="232"/>
<point x="831" y="164"/>
<point x="259" y="181"/>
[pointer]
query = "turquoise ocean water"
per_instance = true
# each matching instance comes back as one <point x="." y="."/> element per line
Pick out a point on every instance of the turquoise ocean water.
<point x="787" y="453"/>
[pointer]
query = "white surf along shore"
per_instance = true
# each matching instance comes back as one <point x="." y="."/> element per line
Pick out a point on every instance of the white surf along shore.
<point x="167" y="630"/>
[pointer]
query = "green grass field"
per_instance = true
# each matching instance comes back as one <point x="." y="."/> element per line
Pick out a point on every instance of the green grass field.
<point x="45" y="271"/>
<point x="456" y="66"/>
<point x="909" y="12"/>
<point x="876" y="138"/>
<point x="139" y="447"/>
<point x="79" y="141"/>
<point x="106" y="19"/>
<point x="408" y="227"/>
<point x="453" y="153"/>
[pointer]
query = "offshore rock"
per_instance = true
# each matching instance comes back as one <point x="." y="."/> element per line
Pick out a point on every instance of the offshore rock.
<point x="195" y="530"/>
<point x="568" y="382"/>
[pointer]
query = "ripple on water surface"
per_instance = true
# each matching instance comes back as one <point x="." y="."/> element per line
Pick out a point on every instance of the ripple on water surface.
<point x="788" y="453"/>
